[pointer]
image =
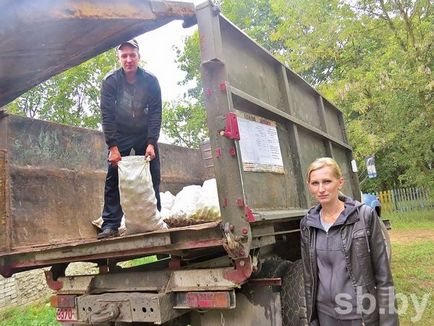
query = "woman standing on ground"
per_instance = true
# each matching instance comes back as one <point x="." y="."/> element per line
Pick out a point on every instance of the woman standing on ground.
<point x="347" y="274"/>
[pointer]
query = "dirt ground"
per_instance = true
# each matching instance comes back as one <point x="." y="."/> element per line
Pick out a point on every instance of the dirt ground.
<point x="407" y="236"/>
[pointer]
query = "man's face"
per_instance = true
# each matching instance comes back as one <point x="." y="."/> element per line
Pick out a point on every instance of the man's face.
<point x="129" y="58"/>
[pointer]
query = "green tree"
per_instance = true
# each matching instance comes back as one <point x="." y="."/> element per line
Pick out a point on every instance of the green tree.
<point x="71" y="97"/>
<point x="185" y="123"/>
<point x="184" y="120"/>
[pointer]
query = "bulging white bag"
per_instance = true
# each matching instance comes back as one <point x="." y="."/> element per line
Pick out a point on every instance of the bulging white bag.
<point x="195" y="204"/>
<point x="137" y="195"/>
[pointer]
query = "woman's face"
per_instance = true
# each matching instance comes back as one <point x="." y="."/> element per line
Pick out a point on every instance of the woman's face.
<point x="324" y="185"/>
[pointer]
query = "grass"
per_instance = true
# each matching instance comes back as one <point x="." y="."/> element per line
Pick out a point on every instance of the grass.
<point x="139" y="261"/>
<point x="412" y="269"/>
<point x="416" y="220"/>
<point x="37" y="314"/>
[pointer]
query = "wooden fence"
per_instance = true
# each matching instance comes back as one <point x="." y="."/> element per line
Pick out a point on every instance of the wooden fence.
<point x="405" y="199"/>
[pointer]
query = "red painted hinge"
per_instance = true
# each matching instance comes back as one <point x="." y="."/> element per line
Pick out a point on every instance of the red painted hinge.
<point x="231" y="129"/>
<point x="225" y="202"/>
<point x="52" y="284"/>
<point x="243" y="270"/>
<point x="249" y="214"/>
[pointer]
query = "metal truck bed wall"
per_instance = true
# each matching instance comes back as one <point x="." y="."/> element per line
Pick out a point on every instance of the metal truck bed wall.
<point x="241" y="78"/>
<point x="52" y="181"/>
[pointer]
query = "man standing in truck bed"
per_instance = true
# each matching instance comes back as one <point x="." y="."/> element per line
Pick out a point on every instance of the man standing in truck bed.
<point x="131" y="119"/>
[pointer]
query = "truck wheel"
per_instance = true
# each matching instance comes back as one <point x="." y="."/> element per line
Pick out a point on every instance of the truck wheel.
<point x="268" y="267"/>
<point x="293" y="297"/>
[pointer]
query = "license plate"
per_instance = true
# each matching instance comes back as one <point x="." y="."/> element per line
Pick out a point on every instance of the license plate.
<point x="66" y="314"/>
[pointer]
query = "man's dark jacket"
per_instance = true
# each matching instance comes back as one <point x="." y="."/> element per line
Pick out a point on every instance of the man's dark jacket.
<point x="366" y="261"/>
<point x="145" y="122"/>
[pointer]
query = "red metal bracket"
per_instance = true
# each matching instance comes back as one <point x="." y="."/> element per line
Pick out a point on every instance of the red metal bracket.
<point x="249" y="214"/>
<point x="231" y="128"/>
<point x="222" y="87"/>
<point x="6" y="271"/>
<point x="274" y="281"/>
<point x="232" y="151"/>
<point x="243" y="270"/>
<point x="175" y="263"/>
<point x="52" y="284"/>
<point x="218" y="152"/>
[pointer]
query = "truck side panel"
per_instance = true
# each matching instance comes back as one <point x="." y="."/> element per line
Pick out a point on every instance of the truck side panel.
<point x="52" y="181"/>
<point x="242" y="78"/>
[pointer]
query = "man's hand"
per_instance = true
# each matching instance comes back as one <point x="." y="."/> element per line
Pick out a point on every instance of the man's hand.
<point x="114" y="156"/>
<point x="150" y="152"/>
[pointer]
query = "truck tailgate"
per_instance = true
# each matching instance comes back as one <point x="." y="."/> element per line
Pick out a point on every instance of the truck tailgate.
<point x="174" y="241"/>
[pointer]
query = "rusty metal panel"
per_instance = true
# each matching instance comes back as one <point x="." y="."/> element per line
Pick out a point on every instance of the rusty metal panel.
<point x="333" y="120"/>
<point x="44" y="144"/>
<point x="43" y="38"/>
<point x="304" y="99"/>
<point x="252" y="71"/>
<point x="139" y="307"/>
<point x="203" y="279"/>
<point x="4" y="239"/>
<point x="56" y="175"/>
<point x="259" y="307"/>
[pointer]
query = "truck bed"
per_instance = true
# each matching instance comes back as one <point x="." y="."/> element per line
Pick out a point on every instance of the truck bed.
<point x="52" y="181"/>
<point x="175" y="241"/>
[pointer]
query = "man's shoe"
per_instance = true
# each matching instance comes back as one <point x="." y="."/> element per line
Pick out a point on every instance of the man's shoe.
<point x="107" y="233"/>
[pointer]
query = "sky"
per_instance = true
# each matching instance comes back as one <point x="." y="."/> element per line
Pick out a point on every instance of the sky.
<point x="156" y="49"/>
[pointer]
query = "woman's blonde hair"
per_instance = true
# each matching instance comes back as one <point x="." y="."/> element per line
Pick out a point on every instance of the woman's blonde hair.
<point x="322" y="162"/>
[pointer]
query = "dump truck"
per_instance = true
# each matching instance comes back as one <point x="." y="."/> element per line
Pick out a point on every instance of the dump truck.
<point x="266" y="124"/>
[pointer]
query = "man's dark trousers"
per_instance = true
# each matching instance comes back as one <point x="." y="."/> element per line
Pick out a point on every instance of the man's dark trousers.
<point x="112" y="211"/>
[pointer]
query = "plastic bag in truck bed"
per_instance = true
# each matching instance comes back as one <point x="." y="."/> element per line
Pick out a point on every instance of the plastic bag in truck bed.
<point x="137" y="196"/>
<point x="195" y="205"/>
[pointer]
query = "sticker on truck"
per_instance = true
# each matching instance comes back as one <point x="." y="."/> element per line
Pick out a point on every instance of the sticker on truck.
<point x="66" y="314"/>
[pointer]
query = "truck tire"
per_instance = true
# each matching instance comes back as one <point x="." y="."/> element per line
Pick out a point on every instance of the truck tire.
<point x="268" y="267"/>
<point x="293" y="296"/>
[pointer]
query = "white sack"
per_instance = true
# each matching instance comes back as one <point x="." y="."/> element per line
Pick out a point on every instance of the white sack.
<point x="196" y="203"/>
<point x="137" y="195"/>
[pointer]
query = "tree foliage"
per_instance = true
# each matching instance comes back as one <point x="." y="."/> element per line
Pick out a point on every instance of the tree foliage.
<point x="184" y="120"/>
<point x="71" y="97"/>
<point x="185" y="123"/>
